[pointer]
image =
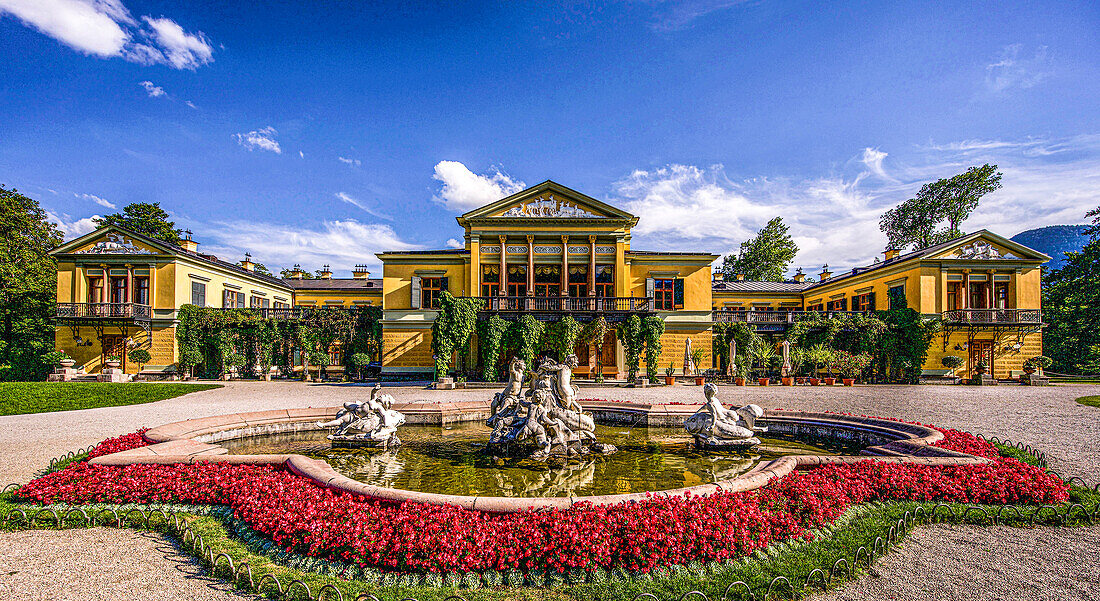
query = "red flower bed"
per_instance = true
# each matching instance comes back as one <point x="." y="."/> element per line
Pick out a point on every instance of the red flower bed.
<point x="125" y="442"/>
<point x="303" y="517"/>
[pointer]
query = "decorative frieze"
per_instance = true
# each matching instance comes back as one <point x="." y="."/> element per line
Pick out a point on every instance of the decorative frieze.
<point x="578" y="250"/>
<point x="115" y="244"/>
<point x="517" y="249"/>
<point x="605" y="250"/>
<point x="549" y="207"/>
<point x="548" y="250"/>
<point x="490" y="250"/>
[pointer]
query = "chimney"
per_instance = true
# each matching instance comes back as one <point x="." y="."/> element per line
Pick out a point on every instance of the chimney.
<point x="799" y="276"/>
<point x="360" y="272"/>
<point x="891" y="253"/>
<point x="297" y="272"/>
<point x="326" y="273"/>
<point x="825" y="273"/>
<point x="247" y="262"/>
<point x="187" y="243"/>
<point x="740" y="277"/>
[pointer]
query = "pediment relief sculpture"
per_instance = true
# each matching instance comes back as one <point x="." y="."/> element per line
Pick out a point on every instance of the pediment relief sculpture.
<point x="549" y="207"/>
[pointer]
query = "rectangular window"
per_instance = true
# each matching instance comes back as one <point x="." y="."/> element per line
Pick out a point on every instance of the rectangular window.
<point x="517" y="280"/>
<point x="198" y="294"/>
<point x="663" y="291"/>
<point x="430" y="289"/>
<point x="141" y="291"/>
<point x="259" y="302"/>
<point x="817" y="307"/>
<point x="490" y="280"/>
<point x="118" y="289"/>
<point x="605" y="280"/>
<point x="1000" y="296"/>
<point x="864" y="302"/>
<point x="95" y="290"/>
<point x="548" y="280"/>
<point x="281" y="305"/>
<point x="233" y="300"/>
<point x="840" y="304"/>
<point x="978" y="295"/>
<point x="578" y="281"/>
<point x="897" y="297"/>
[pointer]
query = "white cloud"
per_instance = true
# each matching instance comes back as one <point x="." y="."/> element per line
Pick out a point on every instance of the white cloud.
<point x="352" y="162"/>
<point x="464" y="190"/>
<point x="263" y="139"/>
<point x="99" y="201"/>
<point x="154" y="91"/>
<point x="873" y="158"/>
<point x="344" y="196"/>
<point x="835" y="219"/>
<point x="340" y="243"/>
<point x="1011" y="70"/>
<point x="190" y="104"/>
<point x="301" y="154"/>
<point x="105" y="28"/>
<point x="72" y="228"/>
<point x="455" y="243"/>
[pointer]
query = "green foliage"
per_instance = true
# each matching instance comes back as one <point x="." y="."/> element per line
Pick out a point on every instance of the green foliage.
<point x="1039" y="362"/>
<point x="525" y="335"/>
<point x="653" y="327"/>
<point x="41" y="397"/>
<point x="140" y="356"/>
<point x="490" y="335"/>
<point x="850" y="365"/>
<point x="1090" y="401"/>
<point x="630" y="334"/>
<point x="736" y="330"/>
<point x="54" y="357"/>
<point x="143" y="218"/>
<point x="452" y="328"/>
<point x="561" y="336"/>
<point x="900" y="350"/>
<point x="28" y="287"/>
<point x="946" y="202"/>
<point x="951" y="362"/>
<point x="765" y="257"/>
<point x="819" y="355"/>
<point x="1071" y="302"/>
<point x="594" y="332"/>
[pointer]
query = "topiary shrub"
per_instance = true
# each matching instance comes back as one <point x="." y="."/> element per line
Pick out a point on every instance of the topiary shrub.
<point x="141" y="357"/>
<point x="952" y="362"/>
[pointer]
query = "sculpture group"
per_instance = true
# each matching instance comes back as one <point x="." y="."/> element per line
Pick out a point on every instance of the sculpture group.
<point x="374" y="422"/>
<point x="545" y="420"/>
<point x="717" y="428"/>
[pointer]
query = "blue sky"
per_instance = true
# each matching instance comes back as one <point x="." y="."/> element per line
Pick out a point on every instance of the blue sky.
<point x="329" y="132"/>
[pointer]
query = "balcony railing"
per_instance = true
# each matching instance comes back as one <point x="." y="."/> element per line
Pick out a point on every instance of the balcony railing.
<point x="773" y="317"/>
<point x="994" y="316"/>
<point x="568" y="304"/>
<point x="104" y="311"/>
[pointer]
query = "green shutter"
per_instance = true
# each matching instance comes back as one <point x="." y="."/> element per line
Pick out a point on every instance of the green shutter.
<point x="443" y="284"/>
<point x="678" y="293"/>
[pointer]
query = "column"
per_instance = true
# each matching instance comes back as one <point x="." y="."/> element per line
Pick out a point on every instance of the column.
<point x="503" y="267"/>
<point x="989" y="284"/>
<point x="565" y="265"/>
<point x="592" y="272"/>
<point x="129" y="283"/>
<point x="152" y="284"/>
<point x="530" y="270"/>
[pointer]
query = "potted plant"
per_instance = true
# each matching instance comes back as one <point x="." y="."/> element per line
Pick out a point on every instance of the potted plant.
<point x="816" y="356"/>
<point x="58" y="358"/>
<point x="1037" y="363"/>
<point x="141" y="357"/>
<point x="951" y="362"/>
<point x="113" y="361"/>
<point x="798" y="358"/>
<point x="669" y="378"/>
<point x="741" y="369"/>
<point x="850" y="365"/>
<point x="981" y="367"/>
<point x="696" y="359"/>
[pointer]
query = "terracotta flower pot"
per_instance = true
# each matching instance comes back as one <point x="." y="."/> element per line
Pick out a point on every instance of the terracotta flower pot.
<point x="699" y="380"/>
<point x="1029" y="369"/>
<point x="739" y="381"/>
<point x="670" y="380"/>
<point x="814" y="381"/>
<point x="800" y="381"/>
<point x="830" y="381"/>
<point x="763" y="381"/>
<point x="788" y="381"/>
<point x="849" y="381"/>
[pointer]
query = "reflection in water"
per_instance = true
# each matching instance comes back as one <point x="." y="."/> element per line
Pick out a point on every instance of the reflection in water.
<point x="451" y="460"/>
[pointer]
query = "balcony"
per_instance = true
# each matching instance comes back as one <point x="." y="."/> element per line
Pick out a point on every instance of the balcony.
<point x="103" y="312"/>
<point x="612" y="308"/>
<point x="773" y="320"/>
<point x="1024" y="317"/>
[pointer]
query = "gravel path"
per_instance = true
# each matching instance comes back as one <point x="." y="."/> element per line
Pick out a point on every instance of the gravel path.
<point x="965" y="562"/>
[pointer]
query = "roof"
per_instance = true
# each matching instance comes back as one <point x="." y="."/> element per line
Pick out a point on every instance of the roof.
<point x="758" y="286"/>
<point x="176" y="250"/>
<point x="612" y="214"/>
<point x="334" y="284"/>
<point x="442" y="251"/>
<point x="671" y="253"/>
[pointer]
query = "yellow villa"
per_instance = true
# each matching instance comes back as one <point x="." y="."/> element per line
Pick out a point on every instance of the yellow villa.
<point x="548" y="251"/>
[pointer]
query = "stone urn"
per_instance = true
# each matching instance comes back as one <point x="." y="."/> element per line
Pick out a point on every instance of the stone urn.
<point x="113" y="363"/>
<point x="66" y="363"/>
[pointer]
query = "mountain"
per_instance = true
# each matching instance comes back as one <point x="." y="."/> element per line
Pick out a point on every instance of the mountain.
<point x="1054" y="240"/>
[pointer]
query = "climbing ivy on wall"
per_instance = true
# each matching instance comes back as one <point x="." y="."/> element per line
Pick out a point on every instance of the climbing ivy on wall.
<point x="525" y="335"/>
<point x="630" y="334"/>
<point x="653" y="327"/>
<point x="561" y="336"/>
<point x="594" y="333"/>
<point x="490" y="335"/>
<point x="452" y="328"/>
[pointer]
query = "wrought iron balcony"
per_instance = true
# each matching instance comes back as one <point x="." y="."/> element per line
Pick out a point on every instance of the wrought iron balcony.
<point x="994" y="316"/>
<point x="609" y="306"/>
<point x="104" y="311"/>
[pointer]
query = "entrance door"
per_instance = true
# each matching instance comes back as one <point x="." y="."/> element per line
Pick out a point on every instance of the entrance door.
<point x="980" y="350"/>
<point x="115" y="346"/>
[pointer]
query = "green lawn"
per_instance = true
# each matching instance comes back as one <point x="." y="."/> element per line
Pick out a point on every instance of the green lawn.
<point x="41" y="397"/>
<point x="1091" y="401"/>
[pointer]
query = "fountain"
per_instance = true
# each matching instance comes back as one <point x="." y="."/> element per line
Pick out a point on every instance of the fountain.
<point x="375" y="422"/>
<point x="718" y="428"/>
<point x="546" y="420"/>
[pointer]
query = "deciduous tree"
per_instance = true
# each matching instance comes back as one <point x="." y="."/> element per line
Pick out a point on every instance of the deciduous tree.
<point x="1071" y="303"/>
<point x="144" y="218"/>
<point x="765" y="257"/>
<point x="945" y="202"/>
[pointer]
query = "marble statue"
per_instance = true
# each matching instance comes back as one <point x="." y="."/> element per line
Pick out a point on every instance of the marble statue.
<point x="716" y="427"/>
<point x="374" y="422"/>
<point x="544" y="421"/>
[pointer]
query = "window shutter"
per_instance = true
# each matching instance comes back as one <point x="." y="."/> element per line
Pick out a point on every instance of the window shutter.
<point x="225" y="300"/>
<point x="844" y="304"/>
<point x="678" y="293"/>
<point x="443" y="284"/>
<point x="649" y="288"/>
<point x="871" y="300"/>
<point x="415" y="301"/>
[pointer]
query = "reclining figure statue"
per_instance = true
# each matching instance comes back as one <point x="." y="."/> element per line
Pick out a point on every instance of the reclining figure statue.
<point x="546" y="416"/>
<point x="714" y="426"/>
<point x="374" y="420"/>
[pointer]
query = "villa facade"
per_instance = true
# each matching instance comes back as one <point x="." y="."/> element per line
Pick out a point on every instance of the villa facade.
<point x="549" y="251"/>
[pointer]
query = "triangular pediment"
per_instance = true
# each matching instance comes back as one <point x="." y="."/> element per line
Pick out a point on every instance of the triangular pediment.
<point x="111" y="241"/>
<point x="987" y="246"/>
<point x="548" y="200"/>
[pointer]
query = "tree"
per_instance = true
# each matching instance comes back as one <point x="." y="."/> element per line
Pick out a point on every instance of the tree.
<point x="28" y="286"/>
<point x="288" y="274"/>
<point x="765" y="257"/>
<point x="947" y="202"/>
<point x="261" y="269"/>
<point x="1071" y="302"/>
<point x="144" y="218"/>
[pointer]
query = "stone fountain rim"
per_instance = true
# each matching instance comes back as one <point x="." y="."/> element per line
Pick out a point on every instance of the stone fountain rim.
<point x="181" y="442"/>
